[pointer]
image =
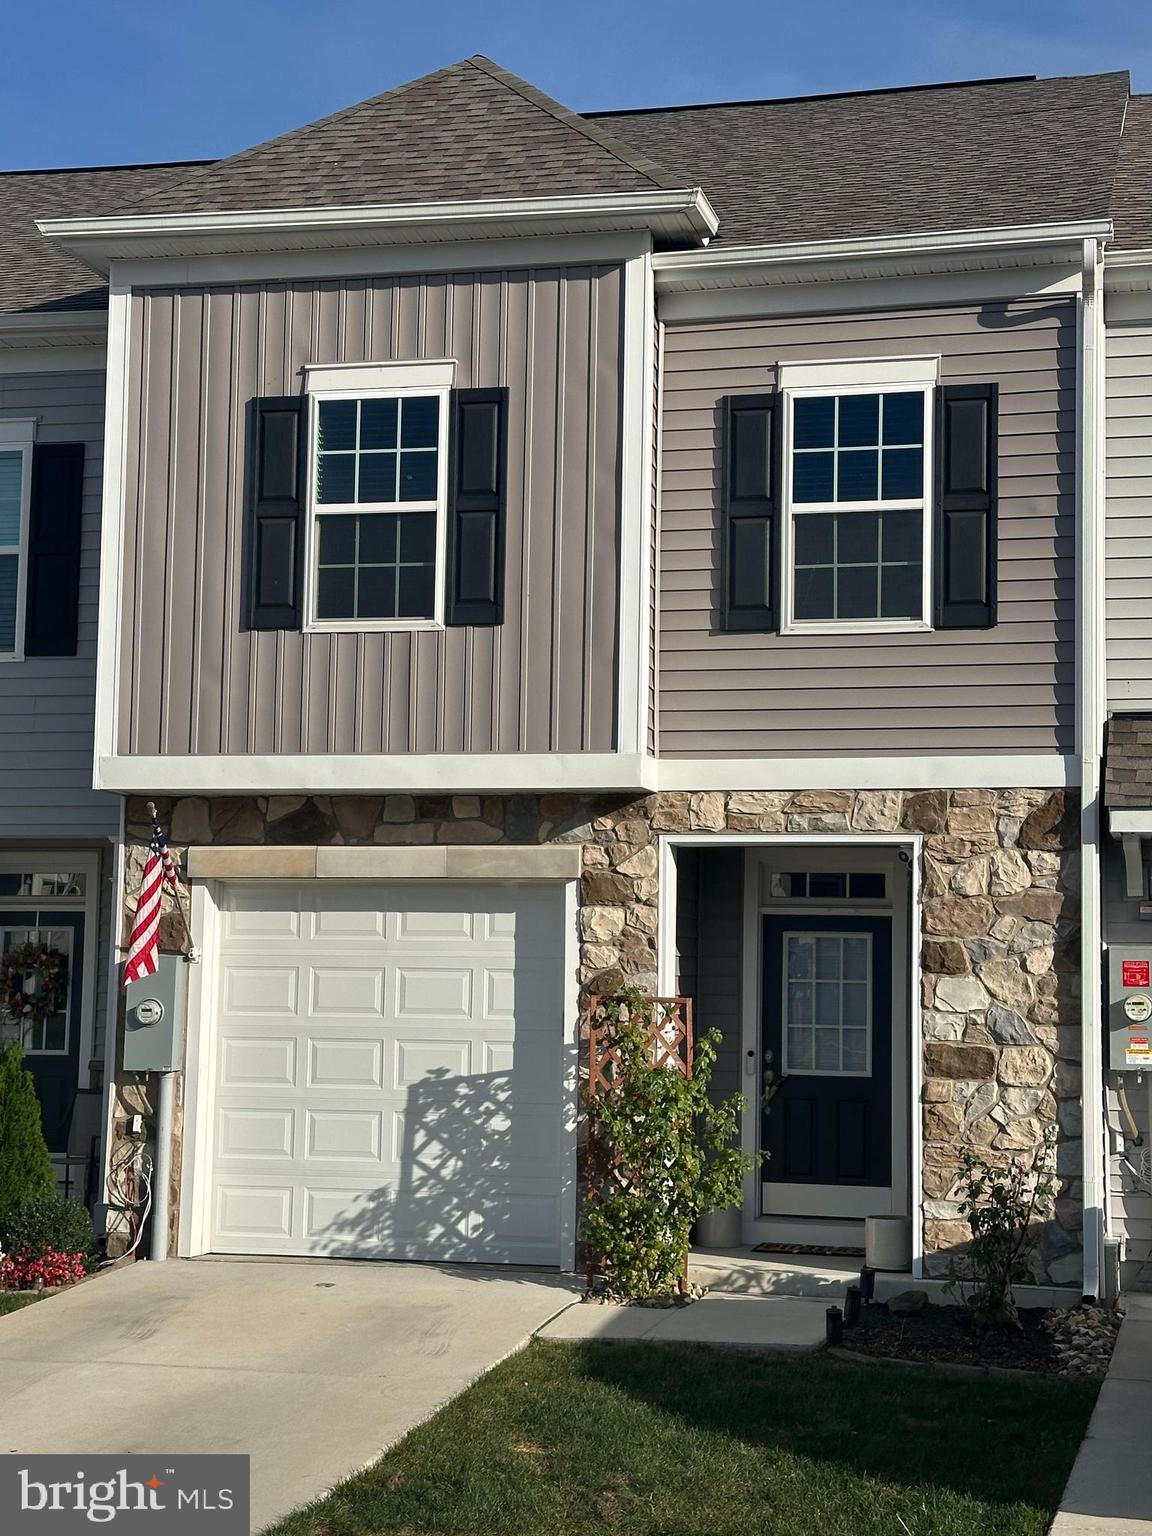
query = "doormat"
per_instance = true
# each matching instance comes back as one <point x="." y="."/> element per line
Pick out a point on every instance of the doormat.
<point x="810" y="1249"/>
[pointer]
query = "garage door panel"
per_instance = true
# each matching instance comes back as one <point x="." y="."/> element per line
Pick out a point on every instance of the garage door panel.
<point x="345" y="1061"/>
<point x="389" y="1074"/>
<point x="255" y="1061"/>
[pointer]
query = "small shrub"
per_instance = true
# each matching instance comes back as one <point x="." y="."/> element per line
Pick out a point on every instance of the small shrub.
<point x="672" y="1153"/>
<point x="1001" y="1205"/>
<point x="25" y="1166"/>
<point x="25" y="1271"/>
<point x="46" y="1224"/>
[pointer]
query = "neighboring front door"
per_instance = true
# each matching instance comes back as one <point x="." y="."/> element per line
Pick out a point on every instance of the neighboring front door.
<point x="51" y="1039"/>
<point x="826" y="1124"/>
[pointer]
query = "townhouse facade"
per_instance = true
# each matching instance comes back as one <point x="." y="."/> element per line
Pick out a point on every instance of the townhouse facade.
<point x="659" y="548"/>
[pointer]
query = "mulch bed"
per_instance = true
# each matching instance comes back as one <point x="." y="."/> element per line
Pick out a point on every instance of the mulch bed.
<point x="953" y="1335"/>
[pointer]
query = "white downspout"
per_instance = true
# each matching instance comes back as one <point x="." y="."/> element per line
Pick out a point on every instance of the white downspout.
<point x="1091" y="707"/>
<point x="162" y="1174"/>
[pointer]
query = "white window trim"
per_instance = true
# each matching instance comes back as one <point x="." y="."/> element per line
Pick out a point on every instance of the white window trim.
<point x="20" y="436"/>
<point x="392" y="382"/>
<point x="849" y="379"/>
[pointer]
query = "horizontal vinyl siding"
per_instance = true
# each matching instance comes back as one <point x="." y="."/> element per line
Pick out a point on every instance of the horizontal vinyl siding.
<point x="47" y="704"/>
<point x="193" y="681"/>
<point x="1128" y="554"/>
<point x="1004" y="690"/>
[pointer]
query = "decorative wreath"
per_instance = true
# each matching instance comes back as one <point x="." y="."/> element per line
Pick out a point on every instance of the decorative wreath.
<point x="33" y="981"/>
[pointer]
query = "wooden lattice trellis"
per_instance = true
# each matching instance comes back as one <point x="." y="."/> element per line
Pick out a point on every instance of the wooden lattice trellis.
<point x="669" y="1044"/>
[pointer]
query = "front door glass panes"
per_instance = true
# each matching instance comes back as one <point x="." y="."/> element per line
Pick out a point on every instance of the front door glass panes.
<point x="36" y="971"/>
<point x="827" y="1003"/>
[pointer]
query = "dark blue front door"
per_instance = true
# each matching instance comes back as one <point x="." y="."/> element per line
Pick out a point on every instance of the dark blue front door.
<point x="52" y="1044"/>
<point x="827" y="1035"/>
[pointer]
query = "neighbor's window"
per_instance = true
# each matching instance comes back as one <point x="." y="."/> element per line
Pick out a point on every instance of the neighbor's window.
<point x="377" y="507"/>
<point x="857" y="514"/>
<point x="13" y="475"/>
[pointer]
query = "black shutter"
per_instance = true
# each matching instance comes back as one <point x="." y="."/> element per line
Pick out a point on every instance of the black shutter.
<point x="53" y="581"/>
<point x="275" y="522"/>
<point x="477" y="473"/>
<point x="748" y="536"/>
<point x="965" y="506"/>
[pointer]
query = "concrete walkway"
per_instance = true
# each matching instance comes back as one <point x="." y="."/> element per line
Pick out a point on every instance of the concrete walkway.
<point x="783" y="1323"/>
<point x="1110" y="1490"/>
<point x="312" y="1367"/>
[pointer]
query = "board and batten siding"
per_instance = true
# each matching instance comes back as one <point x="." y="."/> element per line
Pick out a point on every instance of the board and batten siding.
<point x="1128" y="551"/>
<point x="47" y="703"/>
<point x="193" y="681"/>
<point x="1003" y="690"/>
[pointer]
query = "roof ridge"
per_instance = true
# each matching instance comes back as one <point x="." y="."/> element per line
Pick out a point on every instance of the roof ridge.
<point x="88" y="170"/>
<point x="880" y="90"/>
<point x="535" y="97"/>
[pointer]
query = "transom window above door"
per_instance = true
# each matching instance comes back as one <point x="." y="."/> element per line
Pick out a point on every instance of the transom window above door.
<point x="857" y="497"/>
<point x="378" y="504"/>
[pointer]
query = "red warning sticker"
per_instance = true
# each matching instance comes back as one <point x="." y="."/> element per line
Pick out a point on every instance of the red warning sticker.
<point x="1134" y="973"/>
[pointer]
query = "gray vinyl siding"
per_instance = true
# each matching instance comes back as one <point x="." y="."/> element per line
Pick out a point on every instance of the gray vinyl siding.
<point x="193" y="681"/>
<point x="709" y="936"/>
<point x="47" y="704"/>
<point x="1128" y="584"/>
<point x="1004" y="690"/>
<point x="1130" y="1206"/>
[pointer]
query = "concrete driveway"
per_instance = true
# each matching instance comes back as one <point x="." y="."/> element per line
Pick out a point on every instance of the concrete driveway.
<point x="312" y="1367"/>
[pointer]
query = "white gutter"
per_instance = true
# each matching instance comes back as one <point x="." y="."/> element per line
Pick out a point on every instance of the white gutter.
<point x="1091" y="708"/>
<point x="687" y="207"/>
<point x="933" y="242"/>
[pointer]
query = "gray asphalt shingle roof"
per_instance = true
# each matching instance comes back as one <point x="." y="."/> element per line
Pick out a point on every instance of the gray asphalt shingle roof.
<point x="34" y="273"/>
<point x="469" y="131"/>
<point x="1132" y="199"/>
<point x="932" y="158"/>
<point x="955" y="156"/>
<point x="1128" y="763"/>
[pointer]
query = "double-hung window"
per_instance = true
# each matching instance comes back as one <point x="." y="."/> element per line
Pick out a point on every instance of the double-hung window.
<point x="857" y="512"/>
<point x="378" y="498"/>
<point x="15" y="483"/>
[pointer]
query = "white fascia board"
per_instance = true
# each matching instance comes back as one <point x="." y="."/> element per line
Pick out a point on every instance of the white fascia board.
<point x="712" y="263"/>
<point x="594" y="772"/>
<point x="341" y="773"/>
<point x="1027" y="771"/>
<point x="1123" y="822"/>
<point x="99" y="241"/>
<point x="55" y="328"/>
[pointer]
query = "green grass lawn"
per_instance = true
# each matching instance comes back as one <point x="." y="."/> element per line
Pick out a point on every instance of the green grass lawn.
<point x="651" y="1440"/>
<point x="12" y="1301"/>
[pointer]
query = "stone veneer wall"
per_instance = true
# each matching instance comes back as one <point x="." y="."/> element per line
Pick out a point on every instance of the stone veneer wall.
<point x="1001" y="1056"/>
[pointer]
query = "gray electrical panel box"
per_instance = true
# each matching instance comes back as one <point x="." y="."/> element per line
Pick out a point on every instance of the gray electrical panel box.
<point x="1130" y="1007"/>
<point x="154" y="1018"/>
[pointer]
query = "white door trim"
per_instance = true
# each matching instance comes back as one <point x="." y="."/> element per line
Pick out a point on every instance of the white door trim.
<point x="753" y="1230"/>
<point x="200" y="1069"/>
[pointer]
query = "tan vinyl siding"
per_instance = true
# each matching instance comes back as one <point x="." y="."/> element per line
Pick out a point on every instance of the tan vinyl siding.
<point x="1004" y="690"/>
<point x="47" y="704"/>
<point x="193" y="681"/>
<point x="1128" y="569"/>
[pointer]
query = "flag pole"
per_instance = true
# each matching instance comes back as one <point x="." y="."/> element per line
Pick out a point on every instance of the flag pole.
<point x="192" y="953"/>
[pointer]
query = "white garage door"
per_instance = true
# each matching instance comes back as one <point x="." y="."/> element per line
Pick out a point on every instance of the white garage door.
<point x="388" y="1071"/>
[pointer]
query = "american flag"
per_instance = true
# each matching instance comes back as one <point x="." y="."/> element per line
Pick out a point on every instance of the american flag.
<point x="159" y="871"/>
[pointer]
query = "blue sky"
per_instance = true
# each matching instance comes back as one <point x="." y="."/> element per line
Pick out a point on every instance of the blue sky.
<point x="106" y="81"/>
